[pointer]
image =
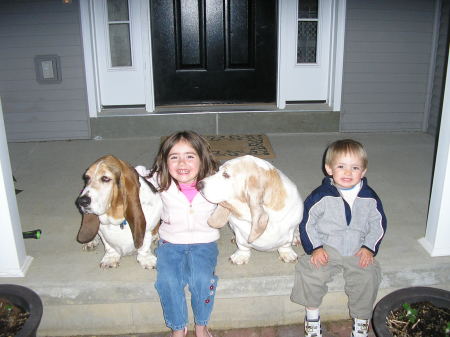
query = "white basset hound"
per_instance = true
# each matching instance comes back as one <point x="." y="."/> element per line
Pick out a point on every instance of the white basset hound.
<point x="261" y="204"/>
<point x="121" y="208"/>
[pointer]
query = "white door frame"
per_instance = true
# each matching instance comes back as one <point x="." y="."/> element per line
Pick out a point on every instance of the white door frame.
<point x="91" y="67"/>
<point x="119" y="84"/>
<point x="288" y="69"/>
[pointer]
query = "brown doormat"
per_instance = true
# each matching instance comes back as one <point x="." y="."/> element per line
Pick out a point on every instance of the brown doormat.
<point x="230" y="146"/>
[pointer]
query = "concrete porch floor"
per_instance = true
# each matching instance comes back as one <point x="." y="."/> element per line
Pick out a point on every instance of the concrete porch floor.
<point x="81" y="299"/>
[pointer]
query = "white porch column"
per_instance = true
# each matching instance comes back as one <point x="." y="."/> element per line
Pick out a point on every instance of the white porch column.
<point x="436" y="240"/>
<point x="13" y="259"/>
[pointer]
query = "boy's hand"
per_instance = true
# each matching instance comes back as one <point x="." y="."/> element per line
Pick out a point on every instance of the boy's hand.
<point x="319" y="257"/>
<point x="365" y="257"/>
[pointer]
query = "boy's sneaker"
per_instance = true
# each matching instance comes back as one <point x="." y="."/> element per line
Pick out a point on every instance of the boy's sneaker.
<point x="313" y="328"/>
<point x="360" y="327"/>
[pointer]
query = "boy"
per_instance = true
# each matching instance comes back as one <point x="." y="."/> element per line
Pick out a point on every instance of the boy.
<point x="342" y="228"/>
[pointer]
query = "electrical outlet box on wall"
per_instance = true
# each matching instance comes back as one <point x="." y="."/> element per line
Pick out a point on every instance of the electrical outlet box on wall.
<point x="48" y="69"/>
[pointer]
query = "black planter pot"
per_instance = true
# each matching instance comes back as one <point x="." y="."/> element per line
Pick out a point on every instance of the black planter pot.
<point x="394" y="300"/>
<point x="28" y="300"/>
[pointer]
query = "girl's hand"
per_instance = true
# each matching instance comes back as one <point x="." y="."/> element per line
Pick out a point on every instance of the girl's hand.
<point x="365" y="257"/>
<point x="319" y="257"/>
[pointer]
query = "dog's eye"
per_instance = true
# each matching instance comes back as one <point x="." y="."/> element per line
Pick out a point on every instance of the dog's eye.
<point x="86" y="179"/>
<point x="105" y="179"/>
<point x="225" y="175"/>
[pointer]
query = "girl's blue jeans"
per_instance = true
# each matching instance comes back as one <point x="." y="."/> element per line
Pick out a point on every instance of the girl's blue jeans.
<point x="179" y="265"/>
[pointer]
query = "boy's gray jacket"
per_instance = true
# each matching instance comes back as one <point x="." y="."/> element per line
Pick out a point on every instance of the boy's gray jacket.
<point x="328" y="220"/>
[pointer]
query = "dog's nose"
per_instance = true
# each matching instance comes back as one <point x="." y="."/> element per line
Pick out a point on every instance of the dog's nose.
<point x="200" y="185"/>
<point x="83" y="201"/>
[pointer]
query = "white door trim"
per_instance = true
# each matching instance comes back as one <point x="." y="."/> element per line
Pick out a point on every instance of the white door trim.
<point x="287" y="36"/>
<point x="90" y="55"/>
<point x="337" y="58"/>
<point x="91" y="68"/>
<point x="121" y="83"/>
<point x="147" y="56"/>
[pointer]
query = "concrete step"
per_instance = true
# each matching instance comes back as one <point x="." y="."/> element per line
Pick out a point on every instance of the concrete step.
<point x="212" y="120"/>
<point x="88" y="300"/>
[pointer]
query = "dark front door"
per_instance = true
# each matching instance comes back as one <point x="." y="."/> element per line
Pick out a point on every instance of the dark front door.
<point x="214" y="51"/>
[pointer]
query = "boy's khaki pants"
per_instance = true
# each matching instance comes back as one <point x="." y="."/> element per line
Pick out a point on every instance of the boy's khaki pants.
<point x="361" y="284"/>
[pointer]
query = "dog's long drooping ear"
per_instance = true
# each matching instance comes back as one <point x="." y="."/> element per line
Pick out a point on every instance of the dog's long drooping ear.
<point x="219" y="218"/>
<point x="274" y="191"/>
<point x="129" y="185"/>
<point x="90" y="224"/>
<point x="255" y="200"/>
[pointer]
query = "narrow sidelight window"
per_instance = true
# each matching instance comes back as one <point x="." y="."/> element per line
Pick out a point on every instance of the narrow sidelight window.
<point x="308" y="22"/>
<point x="119" y="33"/>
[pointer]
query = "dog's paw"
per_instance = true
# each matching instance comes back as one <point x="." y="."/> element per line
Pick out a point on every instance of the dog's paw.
<point x="110" y="262"/>
<point x="147" y="261"/>
<point x="90" y="246"/>
<point x="287" y="255"/>
<point x="240" y="257"/>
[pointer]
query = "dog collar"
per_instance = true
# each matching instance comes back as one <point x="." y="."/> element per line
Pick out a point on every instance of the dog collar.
<point x="124" y="223"/>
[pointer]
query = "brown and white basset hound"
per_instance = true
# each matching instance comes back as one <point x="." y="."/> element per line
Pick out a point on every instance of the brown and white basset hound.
<point x="261" y="204"/>
<point x="121" y="208"/>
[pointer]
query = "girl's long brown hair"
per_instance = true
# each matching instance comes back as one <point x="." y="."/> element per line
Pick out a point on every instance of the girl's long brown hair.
<point x="208" y="165"/>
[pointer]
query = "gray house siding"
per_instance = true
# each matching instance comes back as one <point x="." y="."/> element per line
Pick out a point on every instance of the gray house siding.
<point x="388" y="50"/>
<point x="439" y="69"/>
<point x="386" y="64"/>
<point x="34" y="111"/>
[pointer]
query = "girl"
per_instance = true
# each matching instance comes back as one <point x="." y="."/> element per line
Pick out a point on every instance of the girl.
<point x="187" y="250"/>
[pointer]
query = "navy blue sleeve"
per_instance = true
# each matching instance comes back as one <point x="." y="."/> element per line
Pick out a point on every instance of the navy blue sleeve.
<point x="379" y="224"/>
<point x="307" y="227"/>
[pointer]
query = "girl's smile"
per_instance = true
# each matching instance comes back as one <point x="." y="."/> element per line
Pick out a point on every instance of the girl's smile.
<point x="183" y="163"/>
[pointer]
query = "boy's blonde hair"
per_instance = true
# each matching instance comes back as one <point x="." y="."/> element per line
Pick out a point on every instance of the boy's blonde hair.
<point x="344" y="146"/>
